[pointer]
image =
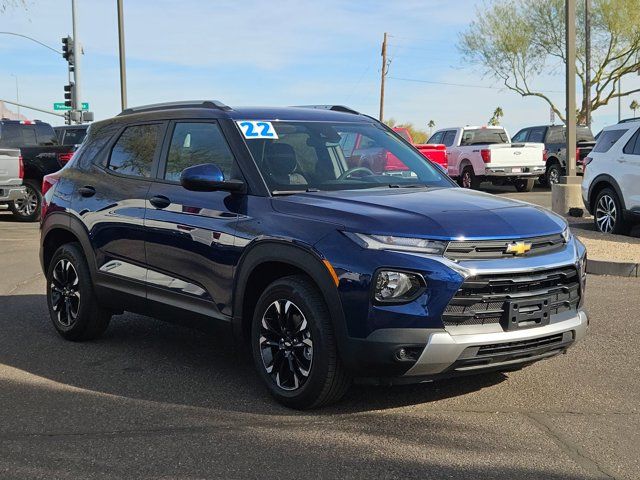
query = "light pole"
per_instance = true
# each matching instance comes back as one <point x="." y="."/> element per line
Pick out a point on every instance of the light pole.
<point x="123" y="67"/>
<point x="17" y="93"/>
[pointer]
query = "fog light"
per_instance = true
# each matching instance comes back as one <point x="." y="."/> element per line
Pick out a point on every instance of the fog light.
<point x="393" y="286"/>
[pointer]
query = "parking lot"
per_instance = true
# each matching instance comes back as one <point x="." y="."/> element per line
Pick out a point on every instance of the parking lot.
<point x="166" y="402"/>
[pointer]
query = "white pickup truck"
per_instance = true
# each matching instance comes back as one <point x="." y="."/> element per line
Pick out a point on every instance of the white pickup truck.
<point x="11" y="173"/>
<point x="478" y="154"/>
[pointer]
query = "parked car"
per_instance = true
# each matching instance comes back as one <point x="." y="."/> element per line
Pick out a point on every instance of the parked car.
<point x="41" y="154"/>
<point x="478" y="154"/>
<point x="555" y="151"/>
<point x="71" y="134"/>
<point x="437" y="153"/>
<point x="252" y="217"/>
<point x="11" y="173"/>
<point x="611" y="183"/>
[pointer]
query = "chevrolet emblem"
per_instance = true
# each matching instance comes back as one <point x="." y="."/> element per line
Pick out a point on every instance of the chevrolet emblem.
<point x="518" y="248"/>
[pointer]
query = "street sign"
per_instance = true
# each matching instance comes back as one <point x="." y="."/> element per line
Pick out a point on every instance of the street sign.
<point x="62" y="106"/>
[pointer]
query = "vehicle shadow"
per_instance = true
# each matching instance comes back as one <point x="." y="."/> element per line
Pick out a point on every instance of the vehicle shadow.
<point x="142" y="358"/>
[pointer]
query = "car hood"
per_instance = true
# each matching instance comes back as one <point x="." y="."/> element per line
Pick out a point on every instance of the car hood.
<point x="439" y="213"/>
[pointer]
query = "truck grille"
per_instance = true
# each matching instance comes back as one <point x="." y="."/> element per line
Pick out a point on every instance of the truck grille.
<point x="486" y="249"/>
<point x="485" y="299"/>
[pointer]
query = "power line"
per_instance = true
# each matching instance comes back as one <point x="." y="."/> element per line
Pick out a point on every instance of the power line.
<point x="459" y="84"/>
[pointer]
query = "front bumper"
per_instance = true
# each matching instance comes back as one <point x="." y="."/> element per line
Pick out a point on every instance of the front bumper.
<point x="447" y="353"/>
<point x="10" y="194"/>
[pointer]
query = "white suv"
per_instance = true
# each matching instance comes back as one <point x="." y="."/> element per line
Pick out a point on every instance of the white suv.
<point x="611" y="183"/>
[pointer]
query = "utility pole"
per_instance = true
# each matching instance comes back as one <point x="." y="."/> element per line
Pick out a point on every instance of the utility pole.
<point x="570" y="12"/>
<point x="383" y="74"/>
<point x="76" y="100"/>
<point x="123" y="68"/>
<point x="587" y="62"/>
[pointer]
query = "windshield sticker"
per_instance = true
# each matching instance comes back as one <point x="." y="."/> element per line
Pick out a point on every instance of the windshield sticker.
<point x="253" y="129"/>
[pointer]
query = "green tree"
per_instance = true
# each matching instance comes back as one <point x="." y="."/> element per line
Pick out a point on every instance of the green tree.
<point x="634" y="106"/>
<point x="516" y="41"/>
<point x="497" y="115"/>
<point x="431" y="124"/>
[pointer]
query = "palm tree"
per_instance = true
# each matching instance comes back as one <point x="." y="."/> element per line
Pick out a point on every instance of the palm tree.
<point x="497" y="115"/>
<point x="634" y="106"/>
<point x="431" y="124"/>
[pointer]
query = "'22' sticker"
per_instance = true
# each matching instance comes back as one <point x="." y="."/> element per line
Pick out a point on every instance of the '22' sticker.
<point x="252" y="129"/>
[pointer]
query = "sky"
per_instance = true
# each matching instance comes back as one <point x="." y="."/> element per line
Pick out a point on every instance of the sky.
<point x="287" y="52"/>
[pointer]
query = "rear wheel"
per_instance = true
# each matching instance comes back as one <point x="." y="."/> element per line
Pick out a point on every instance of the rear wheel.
<point x="608" y="216"/>
<point x="468" y="178"/>
<point x="27" y="209"/>
<point x="294" y="346"/>
<point x="554" y="172"/>
<point x="73" y="307"/>
<point x="524" y="184"/>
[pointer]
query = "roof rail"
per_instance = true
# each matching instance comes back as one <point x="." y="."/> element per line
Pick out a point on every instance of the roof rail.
<point x="173" y="105"/>
<point x="335" y="108"/>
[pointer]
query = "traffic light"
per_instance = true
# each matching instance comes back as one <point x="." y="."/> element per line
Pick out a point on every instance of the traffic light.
<point x="69" y="93"/>
<point x="67" y="50"/>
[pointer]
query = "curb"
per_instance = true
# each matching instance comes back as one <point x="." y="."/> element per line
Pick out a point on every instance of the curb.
<point x="600" y="267"/>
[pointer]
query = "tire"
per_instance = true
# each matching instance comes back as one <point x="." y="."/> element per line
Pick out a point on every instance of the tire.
<point x="542" y="180"/>
<point x="308" y="372"/>
<point x="554" y="172"/>
<point x="72" y="303"/>
<point x="29" y="208"/>
<point x="608" y="214"/>
<point x="468" y="178"/>
<point x="524" y="184"/>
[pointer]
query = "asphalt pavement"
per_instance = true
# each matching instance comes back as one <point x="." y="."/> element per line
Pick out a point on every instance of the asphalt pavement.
<point x="153" y="400"/>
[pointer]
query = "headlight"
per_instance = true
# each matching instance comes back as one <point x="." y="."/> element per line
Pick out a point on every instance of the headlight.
<point x="566" y="235"/>
<point x="403" y="244"/>
<point x="394" y="286"/>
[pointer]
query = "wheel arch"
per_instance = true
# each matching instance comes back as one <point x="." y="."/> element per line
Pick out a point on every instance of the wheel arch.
<point x="603" y="181"/>
<point x="59" y="228"/>
<point x="268" y="260"/>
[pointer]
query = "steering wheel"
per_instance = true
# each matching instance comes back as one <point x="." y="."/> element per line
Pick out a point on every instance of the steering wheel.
<point x="351" y="171"/>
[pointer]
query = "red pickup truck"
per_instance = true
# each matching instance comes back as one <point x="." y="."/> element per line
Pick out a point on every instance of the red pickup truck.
<point x="437" y="153"/>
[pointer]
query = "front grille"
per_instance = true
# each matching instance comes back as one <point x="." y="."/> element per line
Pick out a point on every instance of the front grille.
<point x="513" y="347"/>
<point x="485" y="299"/>
<point x="487" y="249"/>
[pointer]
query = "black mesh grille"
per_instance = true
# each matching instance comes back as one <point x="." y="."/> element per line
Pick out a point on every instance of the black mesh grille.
<point x="486" y="249"/>
<point x="485" y="299"/>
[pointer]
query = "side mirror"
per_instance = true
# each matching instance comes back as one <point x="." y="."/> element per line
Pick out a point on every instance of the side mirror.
<point x="208" y="178"/>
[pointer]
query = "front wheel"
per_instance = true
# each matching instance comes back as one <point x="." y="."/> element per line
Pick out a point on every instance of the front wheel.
<point x="524" y="184"/>
<point x="28" y="209"/>
<point x="294" y="345"/>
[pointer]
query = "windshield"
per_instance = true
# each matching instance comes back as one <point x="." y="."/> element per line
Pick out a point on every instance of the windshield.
<point x="483" y="136"/>
<point x="340" y="156"/>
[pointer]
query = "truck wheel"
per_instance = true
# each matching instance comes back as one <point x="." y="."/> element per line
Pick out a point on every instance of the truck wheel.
<point x="73" y="308"/>
<point x="554" y="172"/>
<point x="28" y="209"/>
<point x="468" y="178"/>
<point x="294" y="345"/>
<point x="524" y="184"/>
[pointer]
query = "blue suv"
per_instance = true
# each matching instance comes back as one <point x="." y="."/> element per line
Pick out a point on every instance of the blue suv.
<point x="328" y="271"/>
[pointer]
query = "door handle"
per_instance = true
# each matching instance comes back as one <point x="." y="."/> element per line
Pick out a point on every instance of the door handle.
<point x="87" y="191"/>
<point x="160" y="201"/>
<point x="621" y="160"/>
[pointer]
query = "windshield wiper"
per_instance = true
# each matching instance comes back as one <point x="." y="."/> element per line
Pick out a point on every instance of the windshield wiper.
<point x="293" y="192"/>
<point x="408" y="185"/>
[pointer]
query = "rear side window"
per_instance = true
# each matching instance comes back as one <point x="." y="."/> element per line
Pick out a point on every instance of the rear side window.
<point x="10" y="136"/>
<point x="537" y="135"/>
<point x="633" y="145"/>
<point x="74" y="136"/>
<point x="521" y="136"/>
<point x="607" y="139"/>
<point x="133" y="152"/>
<point x="449" y="137"/>
<point x="436" y="138"/>
<point x="46" y="135"/>
<point x="195" y="143"/>
<point x="556" y="135"/>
